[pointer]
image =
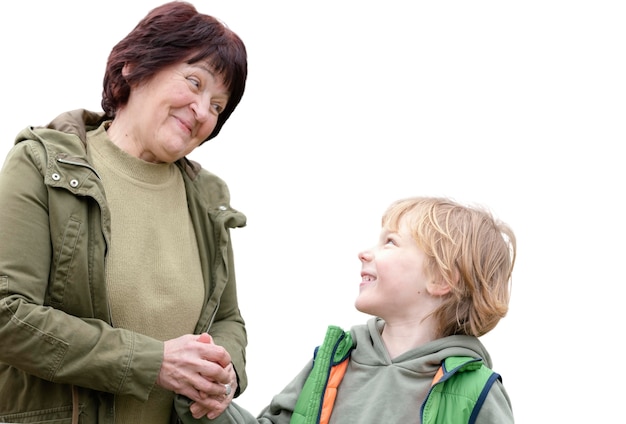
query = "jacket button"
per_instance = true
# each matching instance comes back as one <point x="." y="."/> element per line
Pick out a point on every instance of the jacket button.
<point x="74" y="183"/>
<point x="222" y="208"/>
<point x="56" y="177"/>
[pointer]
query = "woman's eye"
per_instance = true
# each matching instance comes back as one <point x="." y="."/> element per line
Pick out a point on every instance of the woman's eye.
<point x="194" y="81"/>
<point x="390" y="241"/>
<point x="218" y="108"/>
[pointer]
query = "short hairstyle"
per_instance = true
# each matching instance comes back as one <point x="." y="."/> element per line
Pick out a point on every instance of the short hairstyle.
<point x="467" y="249"/>
<point x="172" y="33"/>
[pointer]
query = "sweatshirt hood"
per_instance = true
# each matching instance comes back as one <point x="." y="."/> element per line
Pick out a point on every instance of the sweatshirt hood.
<point x="422" y="359"/>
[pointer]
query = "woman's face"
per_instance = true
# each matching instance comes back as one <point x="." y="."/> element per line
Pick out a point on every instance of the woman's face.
<point x="170" y="114"/>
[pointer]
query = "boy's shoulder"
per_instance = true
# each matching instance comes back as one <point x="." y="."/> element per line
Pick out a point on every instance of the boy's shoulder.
<point x="458" y="390"/>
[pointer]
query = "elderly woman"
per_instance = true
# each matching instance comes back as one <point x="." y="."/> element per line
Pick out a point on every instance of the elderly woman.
<point x="117" y="283"/>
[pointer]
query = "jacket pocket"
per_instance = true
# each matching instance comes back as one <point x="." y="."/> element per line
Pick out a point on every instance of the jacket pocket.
<point x="64" y="261"/>
<point x="61" y="415"/>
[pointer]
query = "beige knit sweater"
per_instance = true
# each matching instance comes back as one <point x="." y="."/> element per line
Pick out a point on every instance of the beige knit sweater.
<point x="154" y="277"/>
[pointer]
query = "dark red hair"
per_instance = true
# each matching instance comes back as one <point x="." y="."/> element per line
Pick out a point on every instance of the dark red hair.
<point x="169" y="34"/>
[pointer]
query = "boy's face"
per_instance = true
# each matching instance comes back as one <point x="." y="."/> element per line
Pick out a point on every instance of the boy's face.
<point x="394" y="283"/>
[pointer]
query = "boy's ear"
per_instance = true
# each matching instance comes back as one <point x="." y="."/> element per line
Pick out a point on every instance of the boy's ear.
<point x="438" y="287"/>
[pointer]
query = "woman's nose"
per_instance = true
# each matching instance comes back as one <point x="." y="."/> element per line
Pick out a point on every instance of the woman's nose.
<point x="201" y="108"/>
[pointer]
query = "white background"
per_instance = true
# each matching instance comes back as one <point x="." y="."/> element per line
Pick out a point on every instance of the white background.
<point x="519" y="106"/>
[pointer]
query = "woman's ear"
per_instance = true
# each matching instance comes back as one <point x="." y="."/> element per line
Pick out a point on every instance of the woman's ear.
<point x="126" y="69"/>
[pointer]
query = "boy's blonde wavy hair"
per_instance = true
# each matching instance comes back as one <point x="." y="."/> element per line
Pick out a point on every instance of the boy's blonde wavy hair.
<point x="469" y="250"/>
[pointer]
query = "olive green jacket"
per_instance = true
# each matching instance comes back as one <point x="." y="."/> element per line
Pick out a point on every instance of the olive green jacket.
<point x="61" y="358"/>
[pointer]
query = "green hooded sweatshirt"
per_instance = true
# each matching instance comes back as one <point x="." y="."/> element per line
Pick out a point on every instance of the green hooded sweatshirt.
<point x="376" y="388"/>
